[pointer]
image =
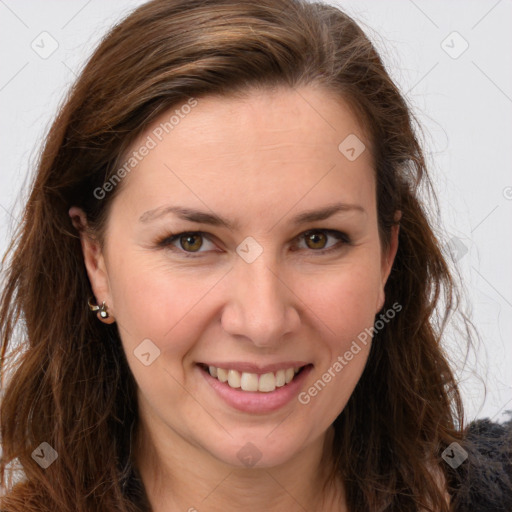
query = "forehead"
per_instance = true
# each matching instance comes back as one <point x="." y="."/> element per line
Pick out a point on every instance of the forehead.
<point x="260" y="118"/>
<point x="269" y="147"/>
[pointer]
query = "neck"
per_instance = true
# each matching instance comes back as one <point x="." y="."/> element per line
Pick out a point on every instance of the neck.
<point x="180" y="476"/>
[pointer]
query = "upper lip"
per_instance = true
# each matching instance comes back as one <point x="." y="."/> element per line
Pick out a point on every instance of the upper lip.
<point x="242" y="367"/>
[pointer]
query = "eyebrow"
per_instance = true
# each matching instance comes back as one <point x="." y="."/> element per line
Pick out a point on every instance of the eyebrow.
<point x="213" y="219"/>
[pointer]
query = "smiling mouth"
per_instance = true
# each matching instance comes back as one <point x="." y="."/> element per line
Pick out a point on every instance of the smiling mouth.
<point x="253" y="382"/>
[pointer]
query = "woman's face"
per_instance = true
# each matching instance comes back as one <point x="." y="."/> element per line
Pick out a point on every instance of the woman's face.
<point x="280" y="269"/>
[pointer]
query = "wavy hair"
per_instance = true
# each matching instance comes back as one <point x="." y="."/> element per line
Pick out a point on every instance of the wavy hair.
<point x="69" y="382"/>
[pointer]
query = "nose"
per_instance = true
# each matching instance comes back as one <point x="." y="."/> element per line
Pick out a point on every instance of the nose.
<point x="262" y="307"/>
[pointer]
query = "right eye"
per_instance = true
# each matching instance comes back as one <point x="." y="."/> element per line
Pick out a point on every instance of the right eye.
<point x="190" y="242"/>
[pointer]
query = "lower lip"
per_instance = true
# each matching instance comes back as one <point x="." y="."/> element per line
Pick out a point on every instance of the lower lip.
<point x="254" y="401"/>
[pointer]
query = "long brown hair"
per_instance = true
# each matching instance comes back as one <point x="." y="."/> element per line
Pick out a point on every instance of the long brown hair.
<point x="70" y="384"/>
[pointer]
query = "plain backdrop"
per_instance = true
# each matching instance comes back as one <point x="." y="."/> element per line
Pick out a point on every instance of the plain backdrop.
<point x="451" y="59"/>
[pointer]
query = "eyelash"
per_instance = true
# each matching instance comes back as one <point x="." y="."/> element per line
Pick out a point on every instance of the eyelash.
<point x="167" y="241"/>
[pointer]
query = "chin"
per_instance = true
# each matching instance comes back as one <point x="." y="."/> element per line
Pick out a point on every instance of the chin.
<point x="263" y="449"/>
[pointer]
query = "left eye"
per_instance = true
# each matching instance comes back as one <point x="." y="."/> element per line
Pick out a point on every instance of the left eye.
<point x="316" y="240"/>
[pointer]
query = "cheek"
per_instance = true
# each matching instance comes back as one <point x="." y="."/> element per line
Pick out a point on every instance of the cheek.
<point x="158" y="302"/>
<point x="344" y="298"/>
<point x="169" y="308"/>
<point x="345" y="306"/>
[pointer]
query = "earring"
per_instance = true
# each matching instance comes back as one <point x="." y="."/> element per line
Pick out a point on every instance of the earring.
<point x="102" y="310"/>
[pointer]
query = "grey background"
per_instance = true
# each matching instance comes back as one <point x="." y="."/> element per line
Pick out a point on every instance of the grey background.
<point x="463" y="99"/>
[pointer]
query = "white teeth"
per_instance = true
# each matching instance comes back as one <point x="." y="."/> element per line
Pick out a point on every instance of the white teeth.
<point x="222" y="374"/>
<point x="267" y="382"/>
<point x="234" y="378"/>
<point x="280" y="378"/>
<point x="249" y="382"/>
<point x="263" y="383"/>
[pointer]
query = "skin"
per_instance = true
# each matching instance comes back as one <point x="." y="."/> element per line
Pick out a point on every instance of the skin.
<point x="258" y="162"/>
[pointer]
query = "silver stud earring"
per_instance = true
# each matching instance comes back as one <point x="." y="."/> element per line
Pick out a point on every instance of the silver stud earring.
<point x="102" y="310"/>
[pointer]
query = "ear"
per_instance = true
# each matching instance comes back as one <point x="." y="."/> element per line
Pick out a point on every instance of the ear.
<point x="388" y="257"/>
<point x="94" y="262"/>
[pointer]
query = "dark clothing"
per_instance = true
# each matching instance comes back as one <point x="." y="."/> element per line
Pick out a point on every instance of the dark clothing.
<point x="483" y="481"/>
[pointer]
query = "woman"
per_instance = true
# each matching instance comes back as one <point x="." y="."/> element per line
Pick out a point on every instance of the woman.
<point x="227" y="282"/>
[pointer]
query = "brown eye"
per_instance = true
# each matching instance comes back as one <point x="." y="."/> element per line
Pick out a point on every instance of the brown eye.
<point x="316" y="240"/>
<point x="187" y="244"/>
<point x="322" y="241"/>
<point x="191" y="242"/>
